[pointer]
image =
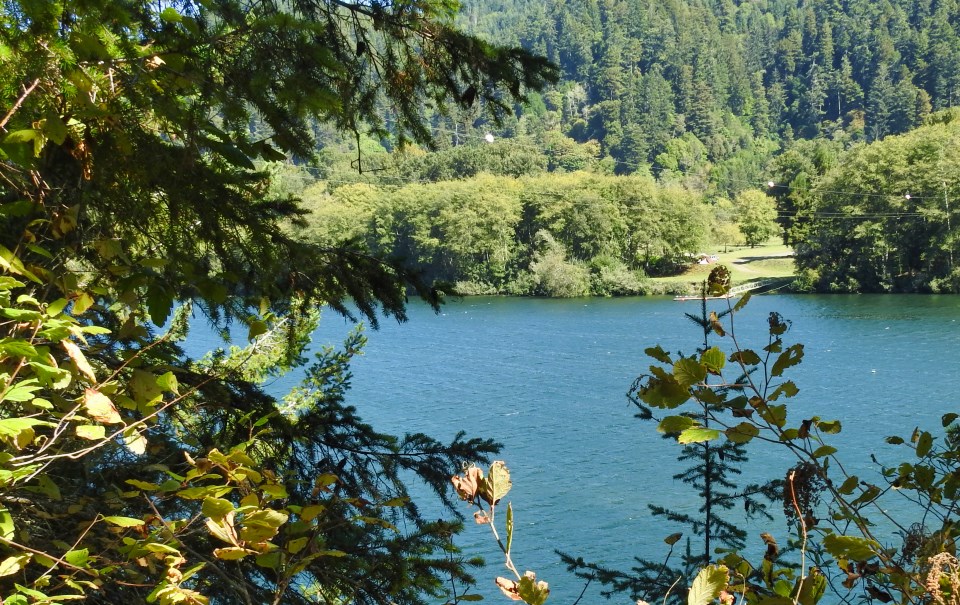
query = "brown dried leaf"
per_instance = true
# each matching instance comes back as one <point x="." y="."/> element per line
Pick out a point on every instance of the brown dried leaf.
<point x="481" y="517"/>
<point x="509" y="588"/>
<point x="468" y="484"/>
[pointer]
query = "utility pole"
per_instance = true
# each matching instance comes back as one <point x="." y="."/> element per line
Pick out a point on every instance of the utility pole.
<point x="946" y="205"/>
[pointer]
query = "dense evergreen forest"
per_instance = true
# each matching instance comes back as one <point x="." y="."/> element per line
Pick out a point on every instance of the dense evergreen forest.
<point x="704" y="105"/>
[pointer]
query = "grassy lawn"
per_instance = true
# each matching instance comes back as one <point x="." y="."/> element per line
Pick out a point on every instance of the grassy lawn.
<point x="769" y="260"/>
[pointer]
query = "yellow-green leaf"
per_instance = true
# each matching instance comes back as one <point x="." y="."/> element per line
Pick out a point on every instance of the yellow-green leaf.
<point x="675" y="424"/>
<point x="232" y="553"/>
<point x="12" y="565"/>
<point x="697" y="434"/>
<point x="99" y="407"/>
<point x="78" y="358"/>
<point x="496" y="484"/>
<point x="216" y="508"/>
<point x="124" y="521"/>
<point x="708" y="585"/>
<point x="92" y="432"/>
<point x="135" y="441"/>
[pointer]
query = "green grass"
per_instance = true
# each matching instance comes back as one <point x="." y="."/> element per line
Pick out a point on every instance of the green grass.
<point x="770" y="260"/>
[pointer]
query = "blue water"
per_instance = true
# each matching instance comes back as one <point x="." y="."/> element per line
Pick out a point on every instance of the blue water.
<point x="547" y="378"/>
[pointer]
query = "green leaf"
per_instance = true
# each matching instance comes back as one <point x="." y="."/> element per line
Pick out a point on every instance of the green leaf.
<point x="470" y="597"/>
<point x="78" y="557"/>
<point x="948" y="419"/>
<point x="697" y="435"/>
<point x="789" y="435"/>
<point x="99" y="407"/>
<point x="707" y="395"/>
<point x="16" y="347"/>
<point x="924" y="444"/>
<point x="19" y="431"/>
<point x="12" y="565"/>
<point x="266" y="517"/>
<point x="10" y="262"/>
<point x="208" y="491"/>
<point x="824" y="450"/>
<point x="297" y="544"/>
<point x="53" y="127"/>
<point x="870" y="493"/>
<point x="849" y="484"/>
<point x="81" y="304"/>
<point x="134" y="441"/>
<point x="171" y="15"/>
<point x="230" y="153"/>
<point x="663" y="392"/>
<point x="6" y="523"/>
<point x="850" y="547"/>
<point x="27" y="136"/>
<point x="270" y="560"/>
<point x="830" y="427"/>
<point x="91" y="432"/>
<point x="159" y="305"/>
<point x="744" y="299"/>
<point x="496" y="484"/>
<point x="274" y="490"/>
<point x="787" y="389"/>
<point x="747" y="357"/>
<point x="809" y="590"/>
<point x="707" y="586"/>
<point x="47" y="487"/>
<point x="309" y="513"/>
<point x="124" y="521"/>
<point x="774" y="414"/>
<point x="232" y="553"/>
<point x="791" y="357"/>
<point x="689" y="372"/>
<point x="531" y="591"/>
<point x="21" y="392"/>
<point x="216" y="508"/>
<point x="659" y="354"/>
<point x="675" y="424"/>
<point x="56" y="307"/>
<point x="742" y="433"/>
<point x="256" y="328"/>
<point x="714" y="360"/>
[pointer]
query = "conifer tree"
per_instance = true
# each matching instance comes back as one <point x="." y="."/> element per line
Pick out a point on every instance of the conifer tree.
<point x="133" y="188"/>
<point x="712" y="475"/>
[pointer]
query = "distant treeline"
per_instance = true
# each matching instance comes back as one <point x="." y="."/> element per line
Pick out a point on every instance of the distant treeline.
<point x="556" y="235"/>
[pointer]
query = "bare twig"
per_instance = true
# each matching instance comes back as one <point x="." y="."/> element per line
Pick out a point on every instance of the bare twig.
<point x="16" y="106"/>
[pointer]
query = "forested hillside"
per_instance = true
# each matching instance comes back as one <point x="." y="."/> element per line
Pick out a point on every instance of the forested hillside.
<point x="652" y="81"/>
<point x="726" y="116"/>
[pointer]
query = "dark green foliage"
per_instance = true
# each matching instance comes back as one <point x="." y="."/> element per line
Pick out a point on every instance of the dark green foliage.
<point x="897" y="233"/>
<point x="656" y="71"/>
<point x="135" y="139"/>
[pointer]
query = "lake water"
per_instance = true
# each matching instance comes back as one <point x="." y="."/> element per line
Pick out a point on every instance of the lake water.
<point x="548" y="378"/>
